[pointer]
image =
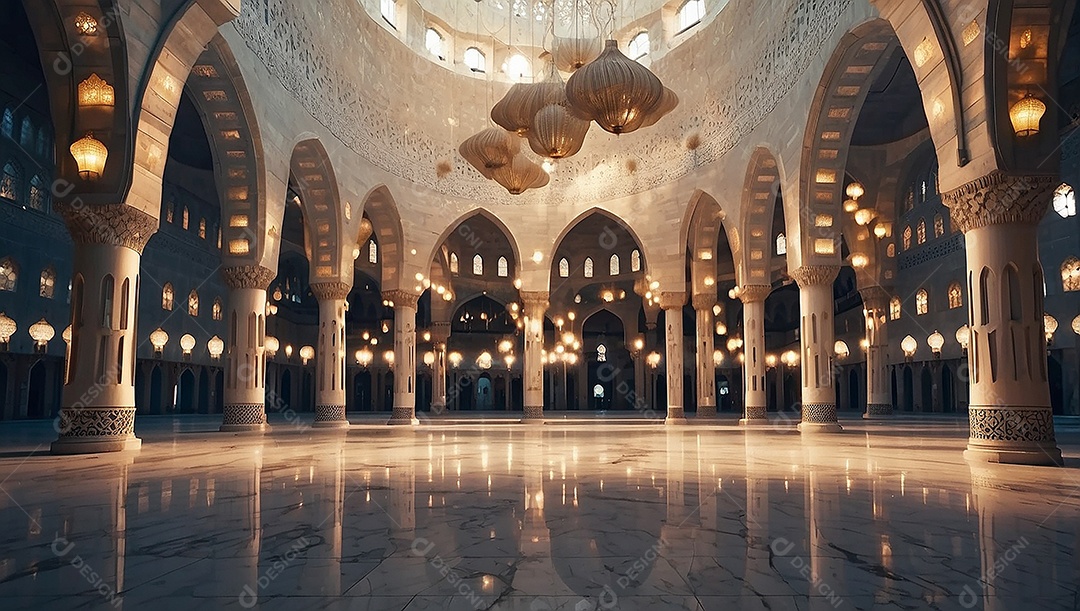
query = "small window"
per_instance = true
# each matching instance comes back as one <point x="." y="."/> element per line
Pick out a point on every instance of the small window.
<point x="43" y="143"/>
<point x="1065" y="201"/>
<point x="167" y="297"/>
<point x="601" y="353"/>
<point x="907" y="237"/>
<point x="389" y="12"/>
<point x="890" y="250"/>
<point x="28" y="134"/>
<point x="638" y="47"/>
<point x="517" y="68"/>
<point x="373" y="252"/>
<point x="588" y="267"/>
<point x="184" y="218"/>
<point x="169" y="217"/>
<point x="453" y="263"/>
<point x="216" y="309"/>
<point x="193" y="303"/>
<point x="9" y="274"/>
<point x="8" y="125"/>
<point x="564" y="268"/>
<point x="9" y="183"/>
<point x="435" y="44"/>
<point x="956" y="296"/>
<point x="48" y="283"/>
<point x="921" y="232"/>
<point x="781" y="244"/>
<point x="922" y="302"/>
<point x="202" y="228"/>
<point x="613" y="265"/>
<point x="909" y="201"/>
<point x="690" y="14"/>
<point x="1070" y="274"/>
<point x="504" y="268"/>
<point x="38" y="194"/>
<point x="475" y="59"/>
<point x="635" y="261"/>
<point x="478" y="265"/>
<point x="939" y="226"/>
<point x="894" y="309"/>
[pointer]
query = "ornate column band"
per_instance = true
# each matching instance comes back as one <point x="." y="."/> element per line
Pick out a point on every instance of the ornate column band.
<point x="874" y="298"/>
<point x="440" y="332"/>
<point x="243" y="417"/>
<point x="999" y="199"/>
<point x="88" y="430"/>
<point x="111" y="224"/>
<point x="401" y="298"/>
<point x="327" y="416"/>
<point x="753" y="293"/>
<point x="703" y="302"/>
<point x="819" y="413"/>
<point x="755" y="413"/>
<point x="535" y="299"/>
<point x="247" y="277"/>
<point x="878" y="410"/>
<point x="670" y="301"/>
<point x="327" y="291"/>
<point x="814" y="275"/>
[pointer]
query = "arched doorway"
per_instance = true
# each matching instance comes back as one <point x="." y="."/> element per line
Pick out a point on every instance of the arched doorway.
<point x="203" y="406"/>
<point x="948" y="398"/>
<point x="219" y="392"/>
<point x="362" y="392"/>
<point x="484" y="393"/>
<point x="388" y="392"/>
<point x="927" y="383"/>
<point x="1057" y="384"/>
<point x="284" y="400"/>
<point x="157" y="391"/>
<point x="307" y="401"/>
<point x="854" y="398"/>
<point x="909" y="389"/>
<point x="35" y="395"/>
<point x="185" y="393"/>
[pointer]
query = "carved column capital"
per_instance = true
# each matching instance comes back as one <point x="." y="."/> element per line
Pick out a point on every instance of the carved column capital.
<point x="535" y="299"/>
<point x="114" y="224"/>
<point x="813" y="275"/>
<point x="440" y="332"/>
<point x="328" y="291"/>
<point x="999" y="199"/>
<point x="703" y="302"/>
<point x="875" y="298"/>
<point x="401" y="298"/>
<point x="754" y="293"/>
<point x="671" y="301"/>
<point x="247" y="277"/>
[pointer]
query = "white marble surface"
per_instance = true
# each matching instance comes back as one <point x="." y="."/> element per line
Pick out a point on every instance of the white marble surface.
<point x="573" y="515"/>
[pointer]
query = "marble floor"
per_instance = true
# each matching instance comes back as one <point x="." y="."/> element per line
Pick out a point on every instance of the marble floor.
<point x="573" y="515"/>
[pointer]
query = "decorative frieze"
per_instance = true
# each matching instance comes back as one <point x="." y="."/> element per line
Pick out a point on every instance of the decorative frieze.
<point x="819" y="413"/>
<point x="1000" y="199"/>
<point x="114" y="224"/>
<point x="754" y="293"/>
<point x="671" y="300"/>
<point x="401" y="298"/>
<point x="815" y="275"/>
<point x="247" y="277"/>
<point x="331" y="291"/>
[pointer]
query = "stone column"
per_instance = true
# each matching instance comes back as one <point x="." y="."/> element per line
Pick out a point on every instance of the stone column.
<point x="536" y="305"/>
<point x="330" y="358"/>
<point x="673" y="303"/>
<point x="1010" y="417"/>
<point x="98" y="404"/>
<point x="440" y="334"/>
<point x="878" y="393"/>
<point x="706" y="369"/>
<point x="245" y="373"/>
<point x="404" y="356"/>
<point x="755" y="402"/>
<point x="818" y="336"/>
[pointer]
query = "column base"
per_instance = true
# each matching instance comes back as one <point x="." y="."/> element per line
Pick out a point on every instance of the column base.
<point x="676" y="416"/>
<point x="534" y="414"/>
<point x="706" y="411"/>
<point x="875" y="411"/>
<point x="403" y="416"/>
<point x="819" y="418"/>
<point x="96" y="430"/>
<point x="438" y="409"/>
<point x="244" y="418"/>
<point x="754" y="422"/>
<point x="1014" y="436"/>
<point x="330" y="417"/>
<point x="817" y="427"/>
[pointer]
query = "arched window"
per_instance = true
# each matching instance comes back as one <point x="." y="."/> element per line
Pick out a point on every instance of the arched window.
<point x="193" y="303"/>
<point x="588" y="267"/>
<point x="635" y="261"/>
<point x="504" y="267"/>
<point x="890" y="250"/>
<point x="956" y="296"/>
<point x="564" y="268"/>
<point x="1070" y="274"/>
<point x="1065" y="201"/>
<point x="781" y="244"/>
<point x="9" y="183"/>
<point x="478" y="265"/>
<point x="909" y="201"/>
<point x="922" y="302"/>
<point x="169" y="217"/>
<point x="43" y="143"/>
<point x="907" y="237"/>
<point x="939" y="226"/>
<point x="475" y="59"/>
<point x="48" y="283"/>
<point x="184" y="218"/>
<point x="601" y="353"/>
<point x="921" y="231"/>
<point x="167" y="297"/>
<point x="613" y="265"/>
<point x="389" y="12"/>
<point x="894" y="309"/>
<point x="434" y="43"/>
<point x="453" y="263"/>
<point x="9" y="274"/>
<point x="690" y="14"/>
<point x="373" y="252"/>
<point x="215" y="310"/>
<point x="202" y="228"/>
<point x="27" y="135"/>
<point x="38" y="194"/>
<point x="517" y="68"/>
<point x="8" y="125"/>
<point x="638" y="47"/>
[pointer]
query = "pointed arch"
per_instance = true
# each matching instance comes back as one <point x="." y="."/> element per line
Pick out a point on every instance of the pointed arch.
<point x="461" y="224"/>
<point x="314" y="180"/>
<point x="761" y="190"/>
<point x="382" y="210"/>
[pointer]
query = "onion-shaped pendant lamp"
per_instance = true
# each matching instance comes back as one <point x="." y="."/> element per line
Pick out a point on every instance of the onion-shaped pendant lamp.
<point x="569" y="54"/>
<point x="668" y="103"/>
<point x="512" y="111"/>
<point x="557" y="133"/>
<point x="615" y="91"/>
<point x="490" y="150"/>
<point x="520" y="175"/>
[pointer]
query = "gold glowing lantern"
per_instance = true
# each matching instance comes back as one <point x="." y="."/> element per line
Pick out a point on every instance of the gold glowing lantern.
<point x="215" y="346"/>
<point x="570" y="54"/>
<point x="95" y="92"/>
<point x="7" y="328"/>
<point x="90" y="154"/>
<point x="306" y="354"/>
<point x="41" y="332"/>
<point x="615" y="91"/>
<point x="158" y="339"/>
<point x="1026" y="115"/>
<point x="520" y="175"/>
<point x="187" y="343"/>
<point x="490" y="150"/>
<point x="963" y="337"/>
<point x="272" y="345"/>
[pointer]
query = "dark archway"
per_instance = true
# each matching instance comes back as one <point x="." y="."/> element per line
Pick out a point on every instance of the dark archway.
<point x="284" y="402"/>
<point x="157" y="391"/>
<point x="909" y="389"/>
<point x="36" y="392"/>
<point x="185" y="393"/>
<point x="203" y="404"/>
<point x="948" y="396"/>
<point x="854" y="392"/>
<point x="926" y="383"/>
<point x="362" y="392"/>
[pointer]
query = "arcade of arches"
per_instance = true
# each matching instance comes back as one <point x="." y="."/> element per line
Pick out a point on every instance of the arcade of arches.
<point x="255" y="219"/>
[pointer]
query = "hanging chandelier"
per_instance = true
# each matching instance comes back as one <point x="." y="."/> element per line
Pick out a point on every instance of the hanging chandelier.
<point x="569" y="54"/>
<point x="556" y="132"/>
<point x="668" y="102"/>
<point x="618" y="93"/>
<point x="490" y="150"/>
<point x="520" y="175"/>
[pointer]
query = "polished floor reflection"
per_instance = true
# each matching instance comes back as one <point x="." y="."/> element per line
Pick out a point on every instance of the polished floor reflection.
<point x="574" y="516"/>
